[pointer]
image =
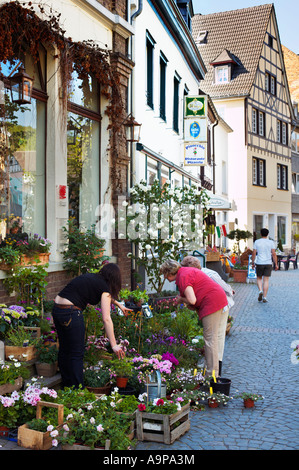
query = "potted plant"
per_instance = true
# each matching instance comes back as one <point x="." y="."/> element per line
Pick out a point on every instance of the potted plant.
<point x="240" y="272"/>
<point x="20" y="344"/>
<point x="11" y="376"/>
<point x="97" y="379"/>
<point x="47" y="356"/>
<point x="249" y="398"/>
<point x="9" y="257"/>
<point x="122" y="369"/>
<point x="82" y="249"/>
<point x="216" y="399"/>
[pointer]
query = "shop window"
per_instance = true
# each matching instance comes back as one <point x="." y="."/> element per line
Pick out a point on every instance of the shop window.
<point x="83" y="149"/>
<point x="23" y="167"/>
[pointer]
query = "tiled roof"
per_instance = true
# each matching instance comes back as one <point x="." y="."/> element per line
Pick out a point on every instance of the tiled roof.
<point x="241" y="33"/>
<point x="291" y="60"/>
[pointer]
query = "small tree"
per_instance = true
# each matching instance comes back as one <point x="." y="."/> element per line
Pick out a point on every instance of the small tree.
<point x="239" y="235"/>
<point x="163" y="222"/>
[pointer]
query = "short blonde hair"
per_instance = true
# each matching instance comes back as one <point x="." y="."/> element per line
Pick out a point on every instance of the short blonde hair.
<point x="169" y="266"/>
<point x="191" y="262"/>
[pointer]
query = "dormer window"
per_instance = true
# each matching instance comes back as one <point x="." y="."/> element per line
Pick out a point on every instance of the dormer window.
<point x="223" y="66"/>
<point x="201" y="38"/>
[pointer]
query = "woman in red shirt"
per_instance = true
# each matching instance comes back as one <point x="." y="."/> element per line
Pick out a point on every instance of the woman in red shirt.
<point x="201" y="293"/>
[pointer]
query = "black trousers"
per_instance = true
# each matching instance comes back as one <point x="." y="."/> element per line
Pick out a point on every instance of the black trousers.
<point x="70" y="329"/>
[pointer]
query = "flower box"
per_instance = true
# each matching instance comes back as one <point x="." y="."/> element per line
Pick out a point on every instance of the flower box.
<point x="45" y="369"/>
<point x="240" y="275"/>
<point x="21" y="353"/>
<point x="162" y="427"/>
<point x="9" y="387"/>
<point x="212" y="256"/>
<point x="35" y="259"/>
<point x="36" y="440"/>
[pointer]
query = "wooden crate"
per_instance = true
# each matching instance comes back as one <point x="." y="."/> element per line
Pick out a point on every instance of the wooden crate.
<point x="162" y="428"/>
<point x="36" y="440"/>
<point x="212" y="256"/>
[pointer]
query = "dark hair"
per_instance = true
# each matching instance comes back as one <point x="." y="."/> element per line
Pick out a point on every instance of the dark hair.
<point x="111" y="274"/>
<point x="264" y="232"/>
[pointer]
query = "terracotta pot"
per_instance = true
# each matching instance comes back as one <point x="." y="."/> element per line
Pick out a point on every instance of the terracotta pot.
<point x="240" y="275"/>
<point x="121" y="382"/>
<point x="4" y="430"/>
<point x="248" y="403"/>
<point x="213" y="404"/>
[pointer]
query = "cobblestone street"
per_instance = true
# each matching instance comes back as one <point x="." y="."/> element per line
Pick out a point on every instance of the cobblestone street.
<point x="257" y="358"/>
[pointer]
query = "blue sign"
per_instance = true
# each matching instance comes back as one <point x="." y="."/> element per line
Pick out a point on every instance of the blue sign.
<point x="194" y="129"/>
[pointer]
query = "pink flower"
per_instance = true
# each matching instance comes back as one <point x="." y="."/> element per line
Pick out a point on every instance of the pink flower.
<point x="141" y="407"/>
<point x="100" y="428"/>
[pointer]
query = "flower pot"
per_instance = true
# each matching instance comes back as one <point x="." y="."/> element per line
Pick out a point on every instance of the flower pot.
<point x="34" y="259"/>
<point x="9" y="388"/>
<point x="248" y="403"/>
<point x="240" y="275"/>
<point x="46" y="370"/>
<point x="4" y="430"/>
<point x="100" y="390"/>
<point x="222" y="385"/>
<point x="121" y="382"/>
<point x="213" y="404"/>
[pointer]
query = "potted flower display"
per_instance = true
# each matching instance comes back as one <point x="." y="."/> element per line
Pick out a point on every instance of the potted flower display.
<point x="240" y="272"/>
<point x="97" y="379"/>
<point x="47" y="356"/>
<point x="122" y="369"/>
<point x="20" y="344"/>
<point x="249" y="398"/>
<point x="216" y="399"/>
<point x="12" y="374"/>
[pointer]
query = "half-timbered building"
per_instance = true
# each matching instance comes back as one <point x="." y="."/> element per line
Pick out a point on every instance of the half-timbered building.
<point x="246" y="79"/>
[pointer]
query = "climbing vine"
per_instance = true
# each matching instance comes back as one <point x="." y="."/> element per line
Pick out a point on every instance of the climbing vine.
<point x="22" y="31"/>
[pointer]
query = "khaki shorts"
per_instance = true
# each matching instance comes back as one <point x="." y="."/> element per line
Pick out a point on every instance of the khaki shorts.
<point x="263" y="270"/>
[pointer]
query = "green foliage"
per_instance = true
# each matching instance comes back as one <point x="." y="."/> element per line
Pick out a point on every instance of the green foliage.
<point x="9" y="255"/>
<point x="47" y="354"/>
<point x="121" y="367"/>
<point x="19" y="336"/>
<point x="82" y="249"/>
<point x="96" y="377"/>
<point x="10" y="371"/>
<point x="29" y="283"/>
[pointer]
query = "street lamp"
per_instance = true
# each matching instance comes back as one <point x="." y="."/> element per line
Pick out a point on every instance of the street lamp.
<point x="21" y="87"/>
<point x="133" y="128"/>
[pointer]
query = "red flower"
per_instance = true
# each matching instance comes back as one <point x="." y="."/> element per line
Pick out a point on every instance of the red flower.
<point x="141" y="407"/>
<point x="160" y="402"/>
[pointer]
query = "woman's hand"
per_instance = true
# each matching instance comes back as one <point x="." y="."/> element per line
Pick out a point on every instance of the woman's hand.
<point x="117" y="349"/>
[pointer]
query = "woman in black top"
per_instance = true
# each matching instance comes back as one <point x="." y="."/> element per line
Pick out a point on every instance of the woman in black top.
<point x="91" y="288"/>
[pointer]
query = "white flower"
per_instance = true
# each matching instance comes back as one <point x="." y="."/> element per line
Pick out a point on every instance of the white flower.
<point x="70" y="416"/>
<point x="50" y="427"/>
<point x="147" y="247"/>
<point x="100" y="428"/>
<point x="125" y="203"/>
<point x="54" y="433"/>
<point x="92" y="420"/>
<point x="66" y="428"/>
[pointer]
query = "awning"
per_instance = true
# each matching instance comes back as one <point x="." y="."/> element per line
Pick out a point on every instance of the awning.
<point x="217" y="202"/>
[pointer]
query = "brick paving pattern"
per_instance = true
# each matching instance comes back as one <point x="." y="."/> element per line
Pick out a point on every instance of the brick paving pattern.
<point x="257" y="358"/>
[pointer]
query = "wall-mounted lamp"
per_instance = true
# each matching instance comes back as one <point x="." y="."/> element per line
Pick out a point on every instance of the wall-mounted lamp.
<point x="21" y="86"/>
<point x="133" y="129"/>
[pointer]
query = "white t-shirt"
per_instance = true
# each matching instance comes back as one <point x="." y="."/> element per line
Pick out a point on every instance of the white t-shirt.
<point x="263" y="247"/>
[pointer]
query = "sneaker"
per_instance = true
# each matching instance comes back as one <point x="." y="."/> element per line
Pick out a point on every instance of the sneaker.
<point x="265" y="300"/>
<point x="260" y="297"/>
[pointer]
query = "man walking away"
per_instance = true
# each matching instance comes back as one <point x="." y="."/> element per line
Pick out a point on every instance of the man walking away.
<point x="263" y="251"/>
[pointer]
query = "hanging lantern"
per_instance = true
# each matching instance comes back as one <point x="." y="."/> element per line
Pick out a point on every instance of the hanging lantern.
<point x="21" y="87"/>
<point x="133" y="128"/>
